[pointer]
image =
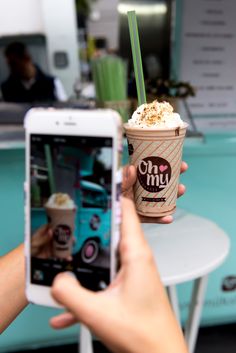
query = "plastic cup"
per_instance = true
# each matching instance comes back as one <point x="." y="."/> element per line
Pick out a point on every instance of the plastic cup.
<point x="157" y="156"/>
<point x="62" y="222"/>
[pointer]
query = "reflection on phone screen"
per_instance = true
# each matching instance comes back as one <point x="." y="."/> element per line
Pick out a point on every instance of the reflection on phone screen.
<point x="71" y="185"/>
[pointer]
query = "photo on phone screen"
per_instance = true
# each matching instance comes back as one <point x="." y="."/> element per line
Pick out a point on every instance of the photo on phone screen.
<point x="70" y="208"/>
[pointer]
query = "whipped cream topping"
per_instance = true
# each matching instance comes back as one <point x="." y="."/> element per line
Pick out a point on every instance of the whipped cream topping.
<point x="60" y="200"/>
<point x="156" y="115"/>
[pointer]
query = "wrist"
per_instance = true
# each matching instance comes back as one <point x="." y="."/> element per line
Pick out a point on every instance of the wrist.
<point x="159" y="336"/>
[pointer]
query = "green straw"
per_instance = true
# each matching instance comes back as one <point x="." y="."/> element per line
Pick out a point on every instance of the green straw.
<point x="50" y="169"/>
<point x="137" y="60"/>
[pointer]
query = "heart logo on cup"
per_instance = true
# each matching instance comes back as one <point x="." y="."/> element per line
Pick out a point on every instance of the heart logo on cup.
<point x="154" y="173"/>
<point x="163" y="168"/>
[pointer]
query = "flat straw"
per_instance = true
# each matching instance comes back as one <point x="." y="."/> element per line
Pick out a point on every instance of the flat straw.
<point x="51" y="179"/>
<point x="137" y="60"/>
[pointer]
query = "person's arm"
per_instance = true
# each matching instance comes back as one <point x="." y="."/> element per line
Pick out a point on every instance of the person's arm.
<point x="12" y="275"/>
<point x="133" y="314"/>
<point x="12" y="286"/>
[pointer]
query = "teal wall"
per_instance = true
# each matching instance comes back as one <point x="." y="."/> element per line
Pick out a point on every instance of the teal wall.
<point x="211" y="191"/>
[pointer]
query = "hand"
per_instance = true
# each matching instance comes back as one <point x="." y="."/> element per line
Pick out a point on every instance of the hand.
<point x="133" y="314"/>
<point x="41" y="243"/>
<point x="129" y="178"/>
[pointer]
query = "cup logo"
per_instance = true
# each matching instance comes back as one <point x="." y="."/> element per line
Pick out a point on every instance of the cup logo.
<point x="154" y="173"/>
<point x="62" y="234"/>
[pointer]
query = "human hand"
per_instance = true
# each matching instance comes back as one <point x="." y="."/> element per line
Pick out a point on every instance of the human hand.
<point x="41" y="242"/>
<point x="133" y="314"/>
<point x="129" y="178"/>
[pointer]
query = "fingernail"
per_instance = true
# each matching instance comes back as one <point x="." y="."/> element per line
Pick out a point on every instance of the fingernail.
<point x="70" y="273"/>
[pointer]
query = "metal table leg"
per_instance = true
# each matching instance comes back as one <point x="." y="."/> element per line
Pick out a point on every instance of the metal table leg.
<point x="197" y="300"/>
<point x="85" y="340"/>
<point x="173" y="297"/>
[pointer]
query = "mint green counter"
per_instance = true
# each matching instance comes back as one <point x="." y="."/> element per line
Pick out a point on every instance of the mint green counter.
<point x="211" y="193"/>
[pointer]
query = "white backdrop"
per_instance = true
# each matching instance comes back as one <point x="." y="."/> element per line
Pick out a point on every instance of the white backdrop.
<point x="20" y="17"/>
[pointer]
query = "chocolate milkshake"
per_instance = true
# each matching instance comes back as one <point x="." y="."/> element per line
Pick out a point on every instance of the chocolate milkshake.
<point x="61" y="211"/>
<point x="155" y="137"/>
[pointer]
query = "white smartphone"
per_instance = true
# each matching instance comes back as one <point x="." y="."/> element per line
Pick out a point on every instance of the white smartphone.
<point x="72" y="198"/>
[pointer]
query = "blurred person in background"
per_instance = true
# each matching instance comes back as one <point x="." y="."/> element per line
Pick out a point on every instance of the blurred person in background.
<point x="27" y="83"/>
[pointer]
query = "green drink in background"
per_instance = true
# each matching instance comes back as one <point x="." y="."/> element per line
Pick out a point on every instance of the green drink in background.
<point x="110" y="79"/>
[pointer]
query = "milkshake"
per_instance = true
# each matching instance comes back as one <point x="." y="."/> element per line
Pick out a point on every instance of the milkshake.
<point x="61" y="211"/>
<point x="155" y="135"/>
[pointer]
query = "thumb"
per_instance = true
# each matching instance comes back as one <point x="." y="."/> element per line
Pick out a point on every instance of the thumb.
<point x="81" y="302"/>
<point x="42" y="236"/>
<point x="131" y="232"/>
<point x="129" y="178"/>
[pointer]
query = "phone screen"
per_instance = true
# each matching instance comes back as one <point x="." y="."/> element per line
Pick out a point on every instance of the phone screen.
<point x="70" y="207"/>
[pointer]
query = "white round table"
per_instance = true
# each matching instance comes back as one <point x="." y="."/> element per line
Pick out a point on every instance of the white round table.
<point x="188" y="249"/>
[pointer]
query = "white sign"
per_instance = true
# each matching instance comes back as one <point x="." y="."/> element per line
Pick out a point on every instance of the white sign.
<point x="20" y="17"/>
<point x="208" y="55"/>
